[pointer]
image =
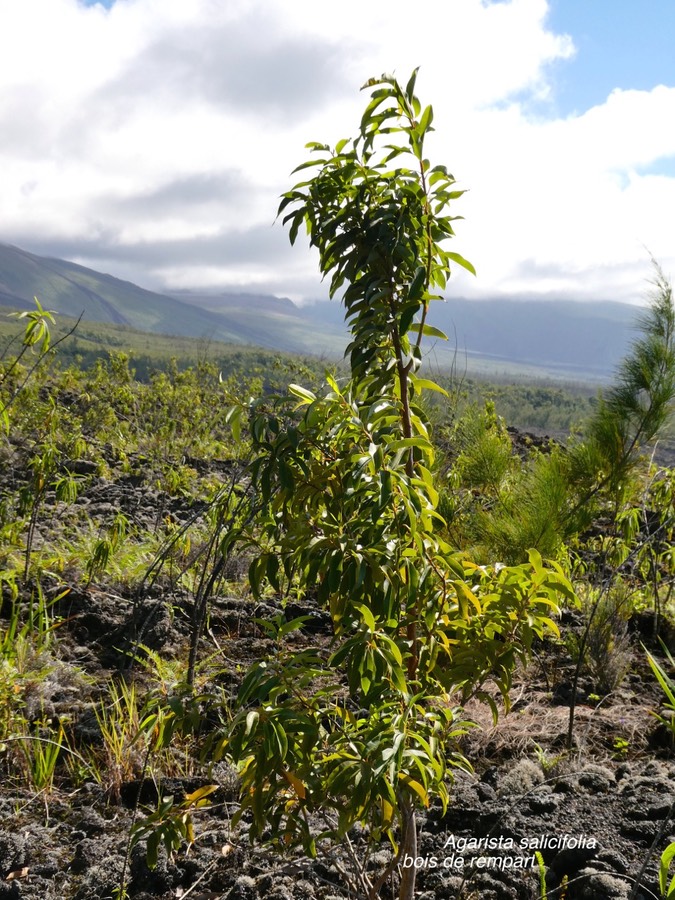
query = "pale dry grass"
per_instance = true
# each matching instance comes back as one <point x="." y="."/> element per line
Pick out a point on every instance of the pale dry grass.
<point x="533" y="720"/>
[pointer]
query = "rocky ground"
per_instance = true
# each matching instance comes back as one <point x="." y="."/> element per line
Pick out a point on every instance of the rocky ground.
<point x="596" y="814"/>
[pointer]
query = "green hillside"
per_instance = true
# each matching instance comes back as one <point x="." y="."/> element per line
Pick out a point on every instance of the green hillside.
<point x="506" y="337"/>
<point x="274" y="322"/>
<point x="503" y="338"/>
<point x="71" y="290"/>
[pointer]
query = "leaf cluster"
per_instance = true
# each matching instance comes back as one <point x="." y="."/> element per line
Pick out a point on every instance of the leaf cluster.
<point x="366" y="730"/>
<point x="380" y="228"/>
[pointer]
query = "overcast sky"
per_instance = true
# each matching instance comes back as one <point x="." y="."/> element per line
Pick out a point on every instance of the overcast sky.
<point x="151" y="138"/>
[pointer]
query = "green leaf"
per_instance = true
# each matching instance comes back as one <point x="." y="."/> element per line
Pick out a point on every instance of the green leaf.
<point x="308" y="164"/>
<point x="410" y="86"/>
<point x="425" y="384"/>
<point x="332" y="383"/>
<point x="429" y="331"/>
<point x="152" y="851"/>
<point x="426" y="119"/>
<point x="233" y="418"/>
<point x="664" y="866"/>
<point x="663" y="679"/>
<point x="286" y="476"/>
<point x="401" y="443"/>
<point x="255" y="573"/>
<point x="464" y="263"/>
<point x="335" y="573"/>
<point x="294" y="625"/>
<point x="366" y="615"/>
<point x="281" y="739"/>
<point x="272" y="571"/>
<point x="304" y="394"/>
<point x="417" y="285"/>
<point x="407" y="316"/>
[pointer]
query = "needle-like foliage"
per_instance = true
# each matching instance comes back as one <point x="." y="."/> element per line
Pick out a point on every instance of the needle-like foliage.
<point x="633" y="411"/>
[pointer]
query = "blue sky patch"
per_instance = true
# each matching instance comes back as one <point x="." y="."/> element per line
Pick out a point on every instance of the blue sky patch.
<point x="619" y="44"/>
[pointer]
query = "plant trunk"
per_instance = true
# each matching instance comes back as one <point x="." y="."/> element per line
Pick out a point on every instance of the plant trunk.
<point x="403" y="370"/>
<point x="408" y="852"/>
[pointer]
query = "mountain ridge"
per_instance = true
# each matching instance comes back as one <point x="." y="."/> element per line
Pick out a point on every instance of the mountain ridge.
<point x="70" y="289"/>
<point x="558" y="338"/>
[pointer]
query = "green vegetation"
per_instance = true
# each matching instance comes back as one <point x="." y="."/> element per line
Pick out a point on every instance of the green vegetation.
<point x="116" y="307"/>
<point x="308" y="575"/>
<point x="668" y="687"/>
<point x="549" y="408"/>
<point x="667" y="888"/>
<point x="351" y="518"/>
<point x="505" y="339"/>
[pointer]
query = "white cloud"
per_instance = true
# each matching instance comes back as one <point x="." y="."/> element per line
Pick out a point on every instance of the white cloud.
<point x="154" y="138"/>
<point x="567" y="194"/>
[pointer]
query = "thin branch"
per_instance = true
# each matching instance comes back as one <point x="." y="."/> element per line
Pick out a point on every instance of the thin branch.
<point x="39" y="360"/>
